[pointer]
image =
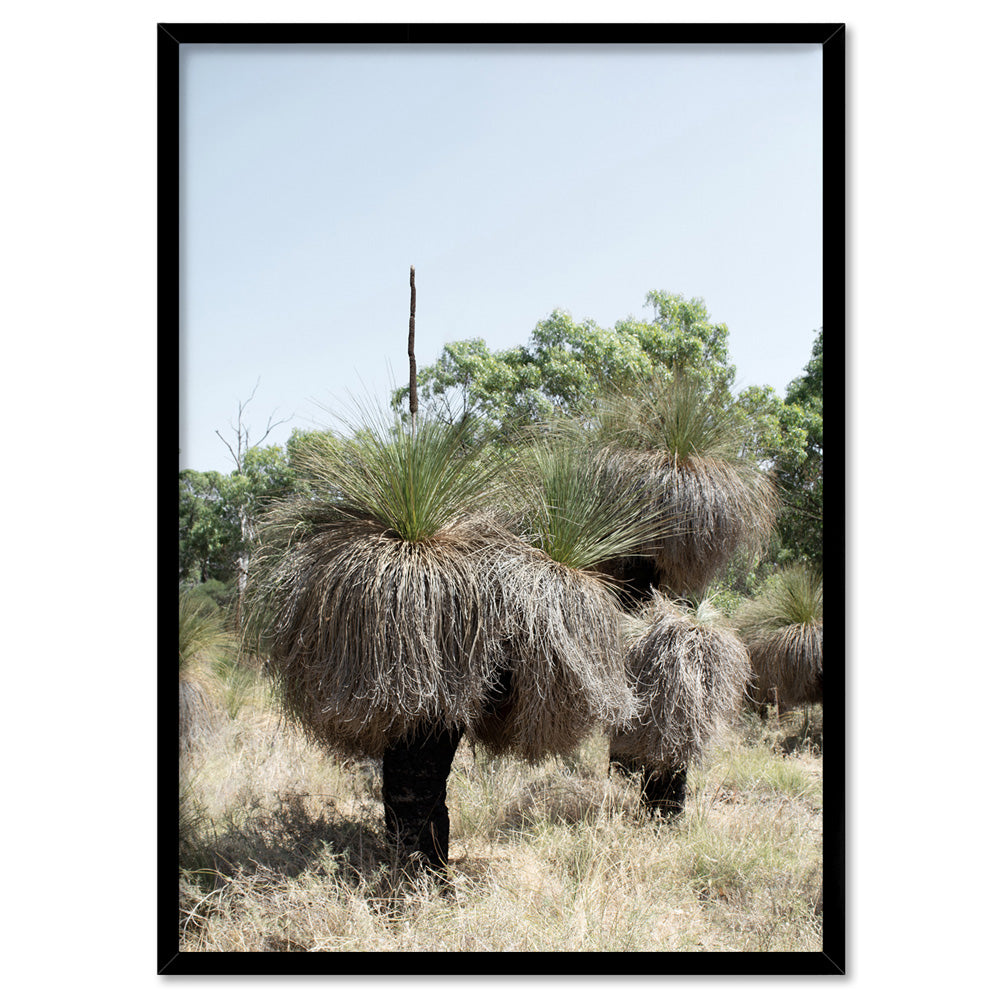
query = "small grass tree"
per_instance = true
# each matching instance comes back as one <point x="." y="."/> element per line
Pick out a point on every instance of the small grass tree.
<point x="672" y="439"/>
<point x="203" y="642"/>
<point x="783" y="630"/>
<point x="689" y="672"/>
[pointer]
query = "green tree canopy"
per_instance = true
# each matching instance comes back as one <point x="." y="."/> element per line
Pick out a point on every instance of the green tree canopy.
<point x="567" y="364"/>
<point x="207" y="537"/>
<point x="209" y="508"/>
<point x="800" y="475"/>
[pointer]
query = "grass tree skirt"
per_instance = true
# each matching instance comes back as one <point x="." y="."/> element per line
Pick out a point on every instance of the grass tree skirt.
<point x="563" y="667"/>
<point x="677" y="442"/>
<point x="377" y="639"/>
<point x="689" y="673"/>
<point x="719" y="508"/>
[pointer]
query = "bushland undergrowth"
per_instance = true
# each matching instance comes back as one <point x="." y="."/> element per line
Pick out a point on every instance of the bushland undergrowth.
<point x="282" y="849"/>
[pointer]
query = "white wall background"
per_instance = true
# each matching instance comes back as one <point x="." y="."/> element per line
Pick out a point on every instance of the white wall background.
<point x="78" y="384"/>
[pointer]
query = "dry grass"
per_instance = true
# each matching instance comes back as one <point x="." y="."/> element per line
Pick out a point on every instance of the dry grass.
<point x="690" y="673"/>
<point x="285" y="852"/>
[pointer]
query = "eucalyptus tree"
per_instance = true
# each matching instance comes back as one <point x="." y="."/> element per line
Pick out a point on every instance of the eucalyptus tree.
<point x="567" y="364"/>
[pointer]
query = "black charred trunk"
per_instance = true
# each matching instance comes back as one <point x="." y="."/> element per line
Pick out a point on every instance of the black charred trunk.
<point x="415" y="773"/>
<point x="637" y="578"/>
<point x="664" y="791"/>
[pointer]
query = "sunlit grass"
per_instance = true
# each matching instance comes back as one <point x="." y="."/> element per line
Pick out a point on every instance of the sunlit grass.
<point x="286" y="853"/>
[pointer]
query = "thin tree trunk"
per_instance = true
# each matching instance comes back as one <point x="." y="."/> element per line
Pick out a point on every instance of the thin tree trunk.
<point x="410" y="351"/>
<point x="243" y="563"/>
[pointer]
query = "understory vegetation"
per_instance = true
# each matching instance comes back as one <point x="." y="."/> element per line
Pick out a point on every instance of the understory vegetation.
<point x="282" y="848"/>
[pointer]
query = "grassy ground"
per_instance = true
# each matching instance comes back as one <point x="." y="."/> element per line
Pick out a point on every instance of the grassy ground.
<point x="282" y="849"/>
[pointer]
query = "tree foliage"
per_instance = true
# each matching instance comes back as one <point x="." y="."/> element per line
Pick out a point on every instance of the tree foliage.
<point x="564" y="368"/>
<point x="566" y="365"/>
<point x="800" y="474"/>
<point x="210" y="505"/>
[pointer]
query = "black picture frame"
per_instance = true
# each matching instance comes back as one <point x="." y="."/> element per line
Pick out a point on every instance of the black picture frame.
<point x="832" y="37"/>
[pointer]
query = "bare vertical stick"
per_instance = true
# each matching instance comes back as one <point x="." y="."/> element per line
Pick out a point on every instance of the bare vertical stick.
<point x="413" y="357"/>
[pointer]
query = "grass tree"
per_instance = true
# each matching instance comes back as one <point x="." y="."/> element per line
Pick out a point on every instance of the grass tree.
<point x="562" y="651"/>
<point x="671" y="438"/>
<point x="689" y="672"/>
<point x="367" y="601"/>
<point x="204" y="642"/>
<point x="783" y="630"/>
<point x="396" y="614"/>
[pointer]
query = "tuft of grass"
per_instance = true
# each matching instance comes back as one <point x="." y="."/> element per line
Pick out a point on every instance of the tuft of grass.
<point x="576" y="506"/>
<point x="202" y="634"/>
<point x="672" y="414"/>
<point x="206" y="651"/>
<point x="792" y="596"/>
<point x="412" y="481"/>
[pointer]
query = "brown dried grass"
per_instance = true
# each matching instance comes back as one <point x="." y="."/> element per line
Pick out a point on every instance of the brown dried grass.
<point x="689" y="673"/>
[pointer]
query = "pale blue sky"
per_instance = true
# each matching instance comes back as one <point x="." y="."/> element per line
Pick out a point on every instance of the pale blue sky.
<point x="516" y="179"/>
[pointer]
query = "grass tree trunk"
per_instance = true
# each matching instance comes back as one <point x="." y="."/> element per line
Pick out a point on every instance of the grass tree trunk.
<point x="664" y="792"/>
<point x="414" y="786"/>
